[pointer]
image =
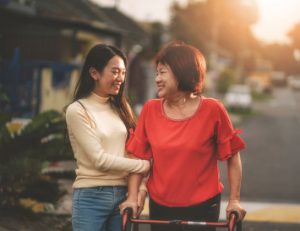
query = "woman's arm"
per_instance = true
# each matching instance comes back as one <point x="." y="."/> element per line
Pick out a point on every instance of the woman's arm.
<point x="142" y="195"/>
<point x="88" y="140"/>
<point x="132" y="201"/>
<point x="234" y="170"/>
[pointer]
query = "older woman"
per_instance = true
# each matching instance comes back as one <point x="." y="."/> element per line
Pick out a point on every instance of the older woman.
<point x="185" y="134"/>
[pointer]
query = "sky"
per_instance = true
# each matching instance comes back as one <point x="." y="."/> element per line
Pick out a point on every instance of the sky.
<point x="276" y="17"/>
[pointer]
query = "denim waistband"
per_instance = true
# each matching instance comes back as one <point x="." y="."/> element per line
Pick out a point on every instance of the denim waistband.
<point x="119" y="187"/>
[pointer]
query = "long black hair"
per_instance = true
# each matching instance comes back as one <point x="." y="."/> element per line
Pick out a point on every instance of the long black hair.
<point x="98" y="57"/>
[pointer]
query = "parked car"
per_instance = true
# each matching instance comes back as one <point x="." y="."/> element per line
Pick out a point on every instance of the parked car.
<point x="279" y="79"/>
<point x="294" y="82"/>
<point x="238" y="96"/>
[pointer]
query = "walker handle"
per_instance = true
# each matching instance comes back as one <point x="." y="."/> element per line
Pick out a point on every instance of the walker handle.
<point x="233" y="221"/>
<point x="126" y="217"/>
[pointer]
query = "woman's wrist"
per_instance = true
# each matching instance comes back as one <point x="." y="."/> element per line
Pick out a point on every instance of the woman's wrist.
<point x="143" y="191"/>
<point x="132" y="197"/>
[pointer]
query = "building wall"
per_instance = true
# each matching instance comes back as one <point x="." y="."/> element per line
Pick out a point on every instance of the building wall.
<point x="56" y="98"/>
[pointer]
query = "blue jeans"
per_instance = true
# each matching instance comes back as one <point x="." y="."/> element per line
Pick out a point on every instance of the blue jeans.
<point x="97" y="208"/>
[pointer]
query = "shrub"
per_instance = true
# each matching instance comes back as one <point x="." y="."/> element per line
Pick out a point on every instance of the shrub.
<point x="226" y="79"/>
<point x="22" y="153"/>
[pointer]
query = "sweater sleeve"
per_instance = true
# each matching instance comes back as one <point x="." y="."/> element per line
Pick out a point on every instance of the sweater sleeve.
<point x="80" y="126"/>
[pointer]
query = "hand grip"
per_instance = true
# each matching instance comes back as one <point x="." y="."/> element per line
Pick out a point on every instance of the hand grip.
<point x="233" y="221"/>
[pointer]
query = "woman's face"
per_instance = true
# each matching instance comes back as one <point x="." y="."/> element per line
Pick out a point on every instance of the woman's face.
<point x="165" y="81"/>
<point x="109" y="81"/>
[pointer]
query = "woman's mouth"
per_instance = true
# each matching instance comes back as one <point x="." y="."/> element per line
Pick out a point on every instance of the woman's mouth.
<point x="159" y="87"/>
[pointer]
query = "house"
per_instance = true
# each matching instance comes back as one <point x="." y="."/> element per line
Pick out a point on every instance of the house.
<point x="42" y="45"/>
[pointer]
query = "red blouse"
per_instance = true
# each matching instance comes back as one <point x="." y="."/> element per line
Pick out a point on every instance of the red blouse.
<point x="184" y="152"/>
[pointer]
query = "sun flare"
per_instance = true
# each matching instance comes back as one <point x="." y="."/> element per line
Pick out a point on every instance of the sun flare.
<point x="276" y="18"/>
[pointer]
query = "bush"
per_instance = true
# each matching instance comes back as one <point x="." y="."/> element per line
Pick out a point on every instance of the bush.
<point x="22" y="153"/>
<point x="226" y="79"/>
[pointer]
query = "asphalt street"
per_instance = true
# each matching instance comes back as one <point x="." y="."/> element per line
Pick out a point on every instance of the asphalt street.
<point x="271" y="160"/>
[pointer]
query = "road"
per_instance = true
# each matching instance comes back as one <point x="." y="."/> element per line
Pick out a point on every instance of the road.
<point x="271" y="160"/>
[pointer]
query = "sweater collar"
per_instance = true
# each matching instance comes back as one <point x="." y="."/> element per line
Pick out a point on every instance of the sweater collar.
<point x="99" y="99"/>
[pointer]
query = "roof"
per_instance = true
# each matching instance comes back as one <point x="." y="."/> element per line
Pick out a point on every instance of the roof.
<point x="125" y="23"/>
<point x="75" y="10"/>
<point x="82" y="12"/>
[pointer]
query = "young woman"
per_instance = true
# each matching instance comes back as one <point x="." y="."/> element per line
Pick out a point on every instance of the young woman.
<point x="185" y="134"/>
<point x="98" y="122"/>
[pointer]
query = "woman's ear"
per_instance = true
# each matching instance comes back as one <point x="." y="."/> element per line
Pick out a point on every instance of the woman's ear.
<point x="93" y="73"/>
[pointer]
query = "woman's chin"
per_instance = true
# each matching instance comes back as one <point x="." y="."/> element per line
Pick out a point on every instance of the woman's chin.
<point x="115" y="92"/>
<point x="160" y="94"/>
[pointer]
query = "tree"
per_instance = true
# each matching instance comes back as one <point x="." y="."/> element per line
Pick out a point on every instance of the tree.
<point x="294" y="35"/>
<point x="215" y="23"/>
<point x="227" y="78"/>
<point x="281" y="57"/>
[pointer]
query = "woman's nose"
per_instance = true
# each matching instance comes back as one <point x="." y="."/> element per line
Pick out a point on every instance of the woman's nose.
<point x="157" y="78"/>
<point x="120" y="77"/>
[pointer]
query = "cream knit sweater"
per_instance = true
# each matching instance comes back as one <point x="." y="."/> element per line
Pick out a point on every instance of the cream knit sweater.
<point x="98" y="136"/>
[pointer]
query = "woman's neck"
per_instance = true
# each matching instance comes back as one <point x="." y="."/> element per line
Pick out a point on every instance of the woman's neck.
<point x="98" y="97"/>
<point x="179" y="100"/>
<point x="181" y="106"/>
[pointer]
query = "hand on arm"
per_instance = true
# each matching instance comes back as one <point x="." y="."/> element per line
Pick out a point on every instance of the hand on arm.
<point x="234" y="169"/>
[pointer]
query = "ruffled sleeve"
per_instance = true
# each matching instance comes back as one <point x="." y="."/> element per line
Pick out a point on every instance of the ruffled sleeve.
<point x="228" y="140"/>
<point x="137" y="143"/>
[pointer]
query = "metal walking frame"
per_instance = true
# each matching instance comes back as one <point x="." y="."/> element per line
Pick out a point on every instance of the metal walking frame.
<point x="232" y="224"/>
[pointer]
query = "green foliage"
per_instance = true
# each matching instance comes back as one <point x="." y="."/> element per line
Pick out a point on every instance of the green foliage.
<point x="36" y="190"/>
<point x="226" y="79"/>
<point x="4" y="133"/>
<point x="3" y="96"/>
<point x="23" y="153"/>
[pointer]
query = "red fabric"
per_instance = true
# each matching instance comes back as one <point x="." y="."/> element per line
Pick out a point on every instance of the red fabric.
<point x="184" y="152"/>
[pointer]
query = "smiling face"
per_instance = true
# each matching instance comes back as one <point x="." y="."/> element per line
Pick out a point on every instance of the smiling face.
<point x="109" y="81"/>
<point x="166" y="81"/>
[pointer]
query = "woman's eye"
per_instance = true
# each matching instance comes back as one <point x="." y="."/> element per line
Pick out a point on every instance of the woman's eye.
<point x="118" y="72"/>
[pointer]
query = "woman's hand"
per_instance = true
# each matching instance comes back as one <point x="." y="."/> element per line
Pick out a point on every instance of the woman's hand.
<point x="235" y="206"/>
<point x="129" y="203"/>
<point x="141" y="201"/>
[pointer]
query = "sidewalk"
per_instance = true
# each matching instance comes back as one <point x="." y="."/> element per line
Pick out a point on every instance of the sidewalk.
<point x="256" y="211"/>
<point x="261" y="212"/>
<point x="260" y="216"/>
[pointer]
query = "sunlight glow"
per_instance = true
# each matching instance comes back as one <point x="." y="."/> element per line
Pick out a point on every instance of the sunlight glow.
<point x="276" y="18"/>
